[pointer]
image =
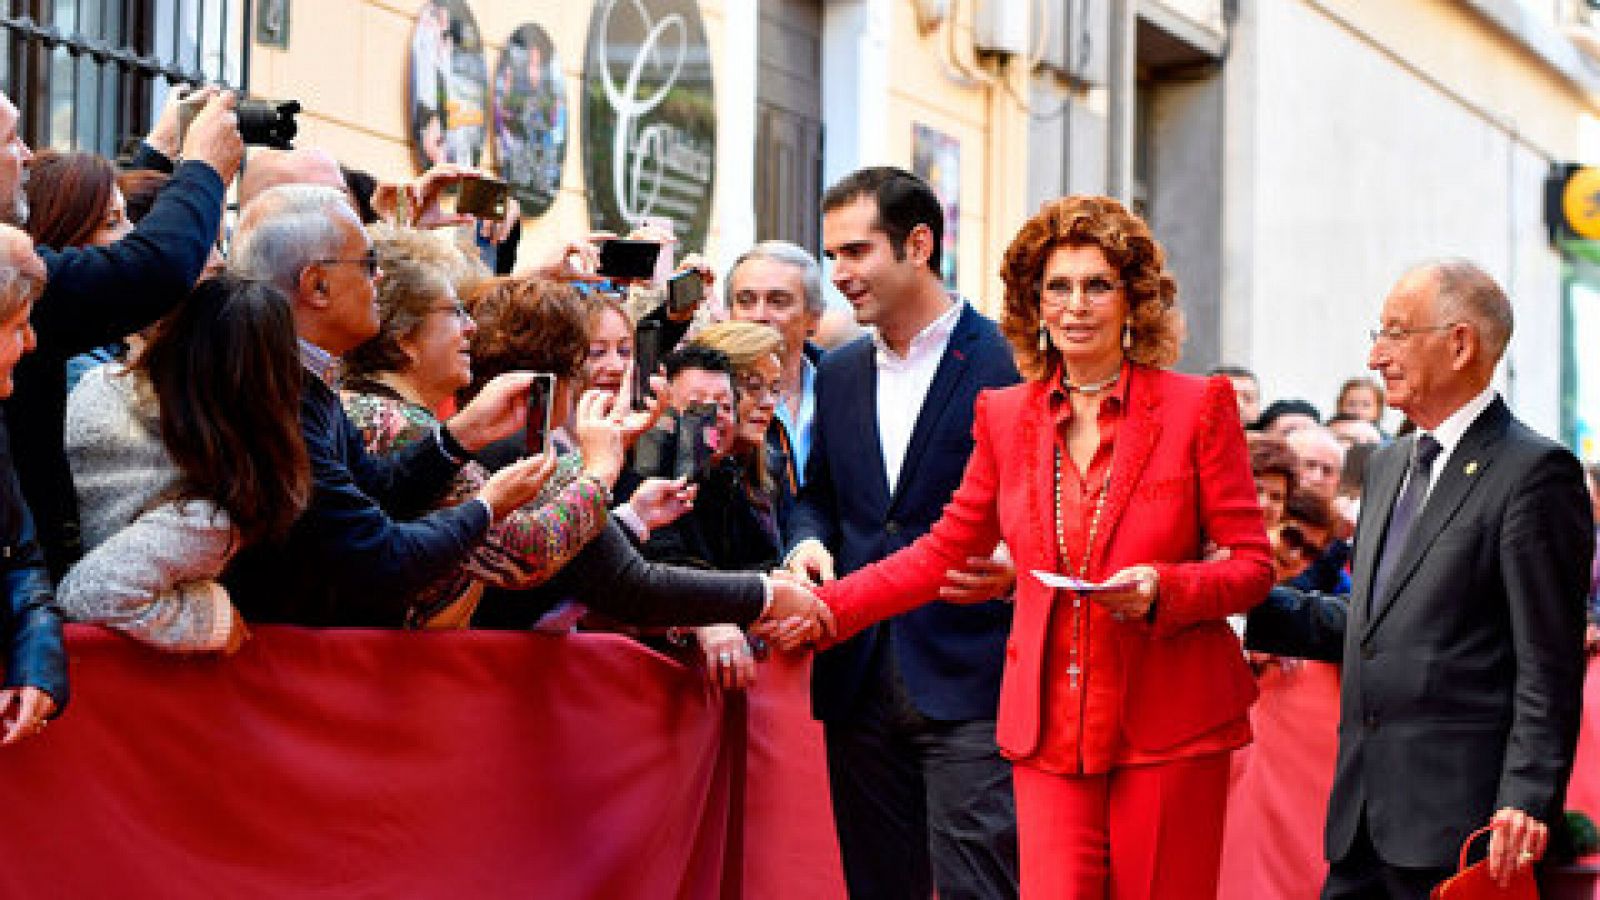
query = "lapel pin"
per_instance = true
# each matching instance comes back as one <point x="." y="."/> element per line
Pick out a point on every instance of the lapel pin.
<point x="1471" y="468"/>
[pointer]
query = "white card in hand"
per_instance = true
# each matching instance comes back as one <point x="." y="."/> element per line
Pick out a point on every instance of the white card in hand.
<point x="1068" y="583"/>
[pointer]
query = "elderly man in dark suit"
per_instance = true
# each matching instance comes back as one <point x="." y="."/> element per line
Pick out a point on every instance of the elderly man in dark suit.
<point x="1463" y="641"/>
<point x="921" y="795"/>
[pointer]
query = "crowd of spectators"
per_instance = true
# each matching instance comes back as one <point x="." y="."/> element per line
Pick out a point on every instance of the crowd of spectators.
<point x="322" y="412"/>
<point x="331" y="425"/>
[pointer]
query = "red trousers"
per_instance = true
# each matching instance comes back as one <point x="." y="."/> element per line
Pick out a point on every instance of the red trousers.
<point x="1148" y="832"/>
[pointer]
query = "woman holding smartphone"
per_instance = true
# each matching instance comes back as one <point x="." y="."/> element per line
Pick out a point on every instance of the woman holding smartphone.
<point x="398" y="382"/>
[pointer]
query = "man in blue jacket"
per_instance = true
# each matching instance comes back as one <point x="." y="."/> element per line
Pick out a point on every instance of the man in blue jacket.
<point x="921" y="795"/>
<point x="367" y="543"/>
<point x="96" y="295"/>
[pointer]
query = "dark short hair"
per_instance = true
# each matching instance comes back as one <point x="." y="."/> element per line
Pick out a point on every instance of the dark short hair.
<point x="1309" y="507"/>
<point x="1280" y="408"/>
<point x="1270" y="456"/>
<point x="696" y="356"/>
<point x="904" y="202"/>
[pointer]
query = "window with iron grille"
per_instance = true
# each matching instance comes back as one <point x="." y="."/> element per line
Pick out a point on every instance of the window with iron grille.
<point x="87" y="74"/>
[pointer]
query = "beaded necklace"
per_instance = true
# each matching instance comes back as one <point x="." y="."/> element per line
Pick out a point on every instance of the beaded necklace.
<point x="1074" y="669"/>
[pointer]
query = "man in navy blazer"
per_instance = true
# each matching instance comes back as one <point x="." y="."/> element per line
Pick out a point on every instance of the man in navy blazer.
<point x="921" y="795"/>
<point x="366" y="543"/>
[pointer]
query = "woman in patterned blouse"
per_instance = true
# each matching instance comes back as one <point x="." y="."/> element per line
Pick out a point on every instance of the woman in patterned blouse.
<point x="398" y="384"/>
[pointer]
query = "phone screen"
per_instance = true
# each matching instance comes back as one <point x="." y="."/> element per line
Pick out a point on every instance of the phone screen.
<point x="541" y="395"/>
<point x="696" y="436"/>
<point x="629" y="259"/>
<point x="647" y="353"/>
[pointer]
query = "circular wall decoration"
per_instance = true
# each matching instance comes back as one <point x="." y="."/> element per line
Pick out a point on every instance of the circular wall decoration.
<point x="449" y="94"/>
<point x="530" y="118"/>
<point x="649" y="117"/>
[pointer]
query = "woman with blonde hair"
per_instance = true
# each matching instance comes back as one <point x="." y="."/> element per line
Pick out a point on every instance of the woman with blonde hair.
<point x="734" y="522"/>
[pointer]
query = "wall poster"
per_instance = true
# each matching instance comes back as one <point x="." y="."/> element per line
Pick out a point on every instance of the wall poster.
<point x="936" y="157"/>
<point x="530" y="118"/>
<point x="449" y="94"/>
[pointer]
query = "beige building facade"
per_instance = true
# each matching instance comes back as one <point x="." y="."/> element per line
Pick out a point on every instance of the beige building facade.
<point x="348" y="63"/>
<point x="1295" y="156"/>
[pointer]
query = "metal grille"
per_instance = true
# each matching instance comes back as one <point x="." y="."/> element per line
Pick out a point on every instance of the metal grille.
<point x="87" y="74"/>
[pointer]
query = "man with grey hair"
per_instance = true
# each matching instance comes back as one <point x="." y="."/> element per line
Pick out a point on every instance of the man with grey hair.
<point x="778" y="283"/>
<point x="1462" y="643"/>
<point x="350" y="559"/>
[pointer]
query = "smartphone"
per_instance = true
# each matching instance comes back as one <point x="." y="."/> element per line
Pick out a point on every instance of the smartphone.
<point x="654" y="453"/>
<point x="541" y="397"/>
<point x="629" y="259"/>
<point x="483" y="198"/>
<point x="696" y="435"/>
<point x="190" y="102"/>
<point x="647" y="353"/>
<point x="1355" y="468"/>
<point x="685" y="290"/>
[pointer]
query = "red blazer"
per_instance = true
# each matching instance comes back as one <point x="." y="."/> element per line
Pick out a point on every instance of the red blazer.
<point x="1180" y="476"/>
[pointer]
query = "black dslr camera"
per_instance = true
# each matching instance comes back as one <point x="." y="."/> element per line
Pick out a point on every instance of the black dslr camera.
<point x="267" y="124"/>
<point x="262" y="123"/>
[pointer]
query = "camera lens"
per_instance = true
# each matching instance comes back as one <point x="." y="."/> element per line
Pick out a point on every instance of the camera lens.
<point x="268" y="125"/>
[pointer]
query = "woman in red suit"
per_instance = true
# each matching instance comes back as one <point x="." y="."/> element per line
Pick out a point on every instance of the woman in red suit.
<point x="1121" y="705"/>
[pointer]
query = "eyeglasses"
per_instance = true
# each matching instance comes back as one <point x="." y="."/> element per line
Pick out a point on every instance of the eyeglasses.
<point x="1394" y="334"/>
<point x="455" y="309"/>
<point x="759" y="389"/>
<point x="1096" y="290"/>
<point x="369" y="261"/>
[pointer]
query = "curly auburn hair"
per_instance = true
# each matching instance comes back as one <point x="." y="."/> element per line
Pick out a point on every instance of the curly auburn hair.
<point x="527" y="324"/>
<point x="1128" y="246"/>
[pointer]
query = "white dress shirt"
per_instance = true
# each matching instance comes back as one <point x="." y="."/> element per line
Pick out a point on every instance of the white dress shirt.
<point x="903" y="384"/>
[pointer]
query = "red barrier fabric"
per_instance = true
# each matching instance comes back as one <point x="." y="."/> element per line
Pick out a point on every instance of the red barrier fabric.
<point x="352" y="763"/>
<point x="1272" y="848"/>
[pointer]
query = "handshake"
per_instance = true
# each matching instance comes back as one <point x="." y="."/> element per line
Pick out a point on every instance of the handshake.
<point x="796" y="616"/>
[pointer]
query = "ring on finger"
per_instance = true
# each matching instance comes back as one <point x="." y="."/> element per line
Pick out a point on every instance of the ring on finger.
<point x="1525" y="856"/>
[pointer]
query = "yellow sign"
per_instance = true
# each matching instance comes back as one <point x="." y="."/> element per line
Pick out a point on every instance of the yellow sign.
<point x="1580" y="203"/>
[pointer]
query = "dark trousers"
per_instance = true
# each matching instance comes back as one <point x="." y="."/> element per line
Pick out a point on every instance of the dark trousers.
<point x="919" y="803"/>
<point x="1362" y="875"/>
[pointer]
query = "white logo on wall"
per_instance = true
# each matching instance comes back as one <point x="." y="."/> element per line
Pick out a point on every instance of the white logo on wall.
<point x="651" y="126"/>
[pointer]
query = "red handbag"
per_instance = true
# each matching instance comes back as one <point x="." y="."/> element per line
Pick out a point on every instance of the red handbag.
<point x="1473" y="882"/>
